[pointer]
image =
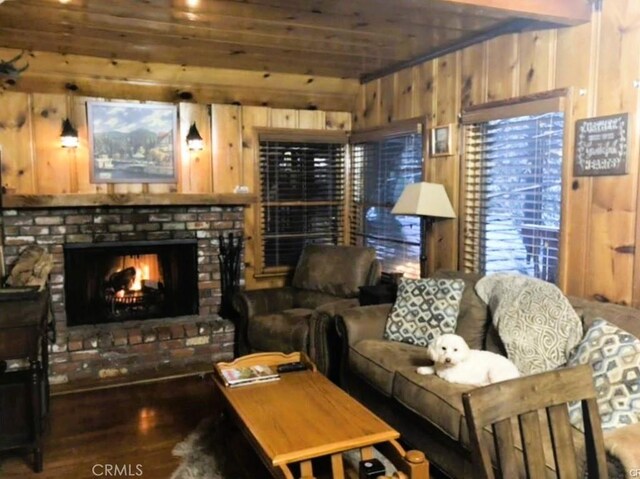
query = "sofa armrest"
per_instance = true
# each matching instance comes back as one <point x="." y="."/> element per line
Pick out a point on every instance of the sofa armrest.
<point x="260" y="301"/>
<point x="324" y="343"/>
<point x="365" y="322"/>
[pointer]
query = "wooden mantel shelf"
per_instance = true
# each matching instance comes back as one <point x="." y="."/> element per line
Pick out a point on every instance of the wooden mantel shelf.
<point x="125" y="199"/>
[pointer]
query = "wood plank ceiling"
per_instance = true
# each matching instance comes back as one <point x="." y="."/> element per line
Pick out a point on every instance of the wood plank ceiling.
<point x="339" y="38"/>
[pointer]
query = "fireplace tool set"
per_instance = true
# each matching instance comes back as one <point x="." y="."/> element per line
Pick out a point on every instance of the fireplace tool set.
<point x="230" y="258"/>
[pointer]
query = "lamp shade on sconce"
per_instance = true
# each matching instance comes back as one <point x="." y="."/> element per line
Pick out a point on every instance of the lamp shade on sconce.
<point x="69" y="135"/>
<point x="424" y="199"/>
<point x="194" y="140"/>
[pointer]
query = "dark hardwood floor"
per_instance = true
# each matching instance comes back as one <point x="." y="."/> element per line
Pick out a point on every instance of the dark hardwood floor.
<point x="138" y="424"/>
<point x="128" y="425"/>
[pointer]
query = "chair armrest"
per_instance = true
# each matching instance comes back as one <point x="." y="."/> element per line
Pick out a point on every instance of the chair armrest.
<point x="365" y="322"/>
<point x="260" y="301"/>
<point x="263" y="301"/>
<point x="324" y="343"/>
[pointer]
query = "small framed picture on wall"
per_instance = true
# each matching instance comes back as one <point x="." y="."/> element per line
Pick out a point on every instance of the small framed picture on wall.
<point x="441" y="140"/>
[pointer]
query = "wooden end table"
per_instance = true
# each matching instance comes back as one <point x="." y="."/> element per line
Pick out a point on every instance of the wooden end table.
<point x="304" y="416"/>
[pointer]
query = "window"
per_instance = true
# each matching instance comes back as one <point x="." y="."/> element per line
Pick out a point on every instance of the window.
<point x="302" y="196"/>
<point x="383" y="163"/>
<point x="513" y="187"/>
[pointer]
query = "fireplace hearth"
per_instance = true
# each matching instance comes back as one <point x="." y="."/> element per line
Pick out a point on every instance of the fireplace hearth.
<point x="117" y="282"/>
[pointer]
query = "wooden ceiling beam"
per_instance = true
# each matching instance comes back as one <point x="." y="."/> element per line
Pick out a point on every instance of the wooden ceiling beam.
<point x="561" y="12"/>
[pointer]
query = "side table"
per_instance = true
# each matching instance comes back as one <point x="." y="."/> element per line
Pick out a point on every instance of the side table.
<point x="378" y="294"/>
<point x="24" y="392"/>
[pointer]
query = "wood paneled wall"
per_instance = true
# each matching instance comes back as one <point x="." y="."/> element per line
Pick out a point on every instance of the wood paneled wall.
<point x="31" y="114"/>
<point x="138" y="80"/>
<point x="599" y="62"/>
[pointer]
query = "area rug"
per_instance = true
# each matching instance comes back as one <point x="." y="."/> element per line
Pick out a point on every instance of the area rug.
<point x="206" y="454"/>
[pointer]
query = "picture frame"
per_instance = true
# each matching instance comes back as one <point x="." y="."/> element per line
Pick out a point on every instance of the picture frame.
<point x="441" y="140"/>
<point x="132" y="142"/>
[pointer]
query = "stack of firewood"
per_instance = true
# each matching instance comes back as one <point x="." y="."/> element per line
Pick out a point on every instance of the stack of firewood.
<point x="31" y="269"/>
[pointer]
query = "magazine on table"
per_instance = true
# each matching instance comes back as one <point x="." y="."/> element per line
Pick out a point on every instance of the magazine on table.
<point x="241" y="376"/>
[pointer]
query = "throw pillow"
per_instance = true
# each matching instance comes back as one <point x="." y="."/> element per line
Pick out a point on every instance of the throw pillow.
<point x="535" y="321"/>
<point x="424" y="309"/>
<point x="614" y="355"/>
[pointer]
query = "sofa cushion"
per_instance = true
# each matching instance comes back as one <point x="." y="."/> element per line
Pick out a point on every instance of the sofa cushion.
<point x="433" y="398"/>
<point x="473" y="317"/>
<point x="614" y="355"/>
<point x="424" y="309"/>
<point x="623" y="317"/>
<point x="536" y="322"/>
<point x="375" y="361"/>
<point x="287" y="331"/>
<point x="334" y="270"/>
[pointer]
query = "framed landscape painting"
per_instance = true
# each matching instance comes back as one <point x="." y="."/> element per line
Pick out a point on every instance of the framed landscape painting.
<point x="132" y="142"/>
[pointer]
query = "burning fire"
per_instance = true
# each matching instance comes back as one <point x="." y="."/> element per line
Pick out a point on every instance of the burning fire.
<point x="142" y="273"/>
<point x="146" y="268"/>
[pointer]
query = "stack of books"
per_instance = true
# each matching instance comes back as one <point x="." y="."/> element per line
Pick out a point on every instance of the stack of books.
<point x="234" y="377"/>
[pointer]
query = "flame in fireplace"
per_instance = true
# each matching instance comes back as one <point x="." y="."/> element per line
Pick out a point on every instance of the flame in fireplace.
<point x="142" y="273"/>
<point x="146" y="266"/>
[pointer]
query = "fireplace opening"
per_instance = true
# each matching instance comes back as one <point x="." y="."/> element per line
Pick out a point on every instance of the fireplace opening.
<point x="117" y="282"/>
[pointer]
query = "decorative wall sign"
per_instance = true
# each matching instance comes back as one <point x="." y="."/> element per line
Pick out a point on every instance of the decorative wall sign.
<point x="602" y="146"/>
<point x="132" y="142"/>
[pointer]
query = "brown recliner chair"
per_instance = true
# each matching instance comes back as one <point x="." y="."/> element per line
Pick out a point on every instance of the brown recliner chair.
<point x="300" y="317"/>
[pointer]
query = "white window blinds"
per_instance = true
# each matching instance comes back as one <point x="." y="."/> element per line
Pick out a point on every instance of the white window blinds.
<point x="302" y="195"/>
<point x="380" y="170"/>
<point x="513" y="195"/>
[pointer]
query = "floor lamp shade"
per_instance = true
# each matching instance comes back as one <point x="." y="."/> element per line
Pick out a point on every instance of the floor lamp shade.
<point x="428" y="201"/>
<point x="424" y="199"/>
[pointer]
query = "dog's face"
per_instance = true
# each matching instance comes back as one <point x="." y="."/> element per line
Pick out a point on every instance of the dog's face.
<point x="449" y="349"/>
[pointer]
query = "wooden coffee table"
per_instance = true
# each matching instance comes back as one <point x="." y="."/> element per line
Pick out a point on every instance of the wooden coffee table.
<point x="304" y="416"/>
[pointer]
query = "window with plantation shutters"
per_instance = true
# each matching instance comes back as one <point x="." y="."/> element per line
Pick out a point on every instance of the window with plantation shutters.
<point x="380" y="169"/>
<point x="513" y="187"/>
<point x="302" y="196"/>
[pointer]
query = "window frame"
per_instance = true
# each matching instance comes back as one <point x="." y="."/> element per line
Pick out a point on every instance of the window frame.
<point x="559" y="100"/>
<point x="290" y="135"/>
<point x="408" y="126"/>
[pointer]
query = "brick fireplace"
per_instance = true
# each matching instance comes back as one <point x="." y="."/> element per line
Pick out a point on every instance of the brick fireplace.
<point x="106" y="349"/>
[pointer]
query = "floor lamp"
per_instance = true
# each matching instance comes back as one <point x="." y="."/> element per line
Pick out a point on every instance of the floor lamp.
<point x="428" y="201"/>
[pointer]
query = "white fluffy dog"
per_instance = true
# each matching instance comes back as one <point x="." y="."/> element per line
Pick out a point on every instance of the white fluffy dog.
<point x="456" y="363"/>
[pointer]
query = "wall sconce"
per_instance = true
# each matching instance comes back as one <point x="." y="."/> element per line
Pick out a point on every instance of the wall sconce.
<point x="69" y="135"/>
<point x="194" y="140"/>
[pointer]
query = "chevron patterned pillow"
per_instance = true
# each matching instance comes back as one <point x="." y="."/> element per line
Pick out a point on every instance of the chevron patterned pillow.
<point x="424" y="309"/>
<point x="614" y="356"/>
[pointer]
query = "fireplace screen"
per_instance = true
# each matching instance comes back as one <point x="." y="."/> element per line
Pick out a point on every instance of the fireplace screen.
<point x="126" y="281"/>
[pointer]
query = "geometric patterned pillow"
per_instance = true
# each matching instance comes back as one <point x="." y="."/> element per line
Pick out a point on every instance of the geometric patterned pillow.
<point x="424" y="309"/>
<point x="614" y="355"/>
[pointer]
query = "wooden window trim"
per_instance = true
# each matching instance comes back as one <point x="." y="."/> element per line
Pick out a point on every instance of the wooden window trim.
<point x="536" y="104"/>
<point x="559" y="100"/>
<point x="397" y="128"/>
<point x="408" y="126"/>
<point x="286" y="135"/>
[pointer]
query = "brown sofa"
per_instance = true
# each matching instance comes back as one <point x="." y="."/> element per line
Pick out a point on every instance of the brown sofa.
<point x="426" y="410"/>
<point x="301" y="317"/>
